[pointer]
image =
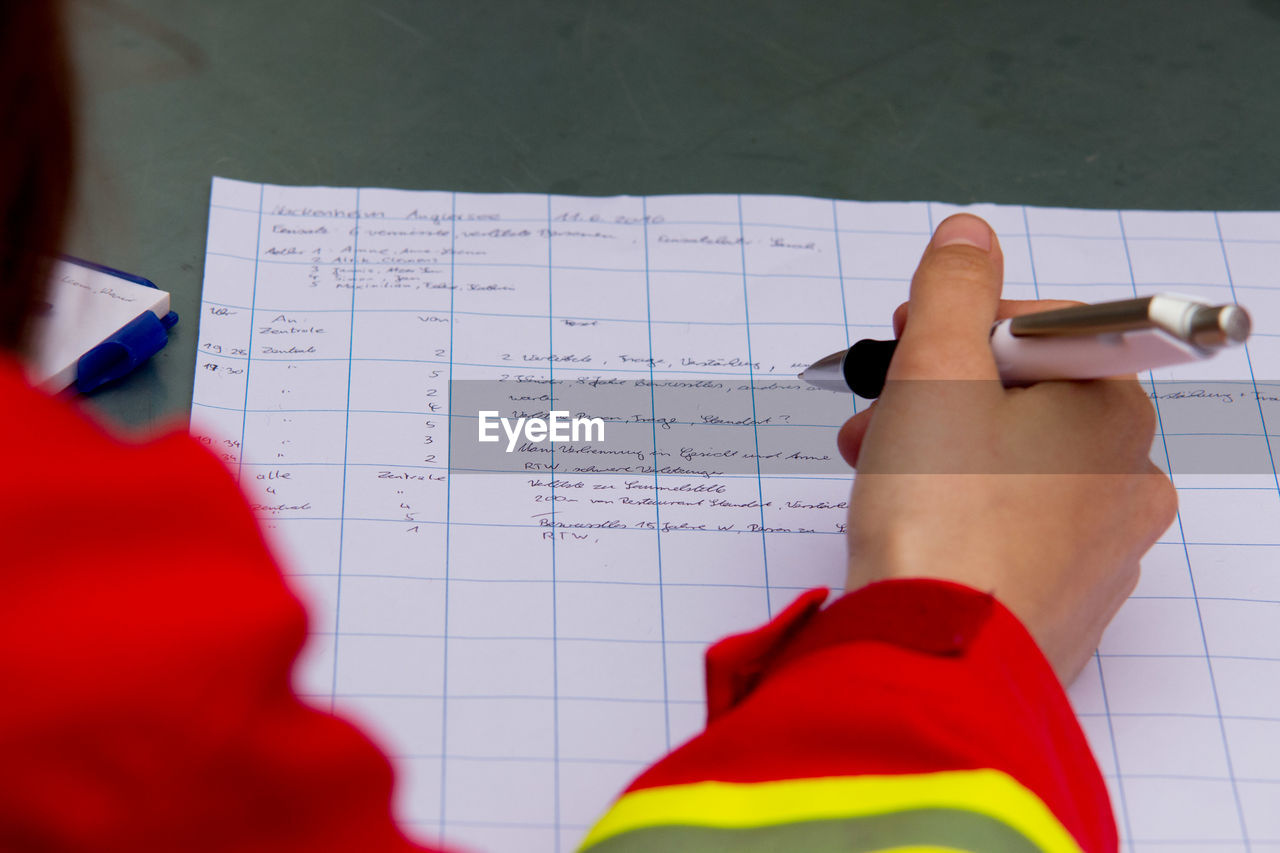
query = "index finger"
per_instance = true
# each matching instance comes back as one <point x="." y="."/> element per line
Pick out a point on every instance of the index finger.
<point x="1007" y="308"/>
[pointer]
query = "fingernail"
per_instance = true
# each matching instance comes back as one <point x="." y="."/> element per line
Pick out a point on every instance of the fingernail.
<point x="963" y="230"/>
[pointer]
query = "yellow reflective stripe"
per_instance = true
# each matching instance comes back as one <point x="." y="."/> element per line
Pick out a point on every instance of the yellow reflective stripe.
<point x="733" y="805"/>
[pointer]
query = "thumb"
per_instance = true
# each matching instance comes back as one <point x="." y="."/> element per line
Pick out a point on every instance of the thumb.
<point x="955" y="294"/>
<point x="849" y="438"/>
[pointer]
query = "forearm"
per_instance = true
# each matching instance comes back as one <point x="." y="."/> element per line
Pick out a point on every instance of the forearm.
<point x="151" y="638"/>
<point x="907" y="713"/>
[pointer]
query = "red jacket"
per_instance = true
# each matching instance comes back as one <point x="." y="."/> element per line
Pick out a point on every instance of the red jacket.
<point x="147" y="639"/>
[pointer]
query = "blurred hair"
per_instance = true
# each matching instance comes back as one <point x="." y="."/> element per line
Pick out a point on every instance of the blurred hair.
<point x="35" y="155"/>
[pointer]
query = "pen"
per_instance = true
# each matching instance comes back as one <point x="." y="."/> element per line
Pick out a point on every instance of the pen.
<point x="1079" y="342"/>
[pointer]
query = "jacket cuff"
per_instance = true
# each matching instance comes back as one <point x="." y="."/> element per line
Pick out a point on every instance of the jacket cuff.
<point x="925" y="615"/>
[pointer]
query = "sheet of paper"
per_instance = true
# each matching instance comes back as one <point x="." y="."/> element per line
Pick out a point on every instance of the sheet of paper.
<point x="83" y="307"/>
<point x="521" y="649"/>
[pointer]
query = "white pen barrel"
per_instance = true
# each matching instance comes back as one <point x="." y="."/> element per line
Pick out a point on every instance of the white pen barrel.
<point x="1024" y="360"/>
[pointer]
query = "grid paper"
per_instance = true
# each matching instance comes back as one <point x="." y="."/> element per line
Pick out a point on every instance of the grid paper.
<point x="520" y="675"/>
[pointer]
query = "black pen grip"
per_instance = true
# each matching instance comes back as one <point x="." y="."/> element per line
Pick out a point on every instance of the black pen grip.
<point x="865" y="366"/>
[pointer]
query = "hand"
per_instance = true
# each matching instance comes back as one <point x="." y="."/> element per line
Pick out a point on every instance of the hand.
<point x="1043" y="496"/>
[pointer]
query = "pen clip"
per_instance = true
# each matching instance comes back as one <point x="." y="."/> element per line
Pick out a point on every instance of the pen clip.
<point x="1205" y="326"/>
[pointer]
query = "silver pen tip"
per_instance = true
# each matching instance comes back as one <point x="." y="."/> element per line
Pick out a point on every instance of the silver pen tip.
<point x="827" y="372"/>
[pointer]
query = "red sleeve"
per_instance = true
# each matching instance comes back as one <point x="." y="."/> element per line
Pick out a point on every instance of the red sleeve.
<point x="148" y="640"/>
<point x="908" y="713"/>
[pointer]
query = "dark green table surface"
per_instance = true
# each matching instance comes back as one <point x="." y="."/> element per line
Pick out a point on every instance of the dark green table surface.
<point x="1166" y="104"/>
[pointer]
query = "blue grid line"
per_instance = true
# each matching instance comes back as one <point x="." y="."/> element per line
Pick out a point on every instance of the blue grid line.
<point x="1115" y="753"/>
<point x="642" y="529"/>
<point x="1234" y="598"/>
<point x="248" y="348"/>
<point x="1200" y="777"/>
<point x="1191" y="578"/>
<point x="492" y="697"/>
<point x="1187" y="715"/>
<point x="844" y="313"/>
<point x="844" y="304"/>
<point x="440" y="579"/>
<point x="1031" y="258"/>
<point x="700" y="424"/>
<point x="642" y="700"/>
<point x="492" y="224"/>
<point x="1262" y="417"/>
<point x="844" y="301"/>
<point x="346" y="435"/>
<point x="1226" y="261"/>
<point x="1097" y="659"/>
<point x="514" y="368"/>
<point x="448" y="518"/>
<point x="657" y="504"/>
<point x="644" y="641"/>
<point x="584" y="526"/>
<point x="746" y="314"/>
<point x="840" y="476"/>
<point x="526" y="316"/>
<point x="818" y="477"/>
<point x="672" y="422"/>
<point x="430" y="262"/>
<point x="1199" y="656"/>
<point x="892" y="280"/>
<point x="555" y="658"/>
<point x="621" y="470"/>
<point x="674" y="642"/>
<point x="510" y="581"/>
<point x="692" y="531"/>
<point x="894" y="284"/>
<point x="678" y="585"/>
<point x="1102" y="678"/>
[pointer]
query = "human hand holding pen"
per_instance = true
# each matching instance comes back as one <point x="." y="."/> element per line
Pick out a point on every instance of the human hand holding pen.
<point x="1044" y="496"/>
